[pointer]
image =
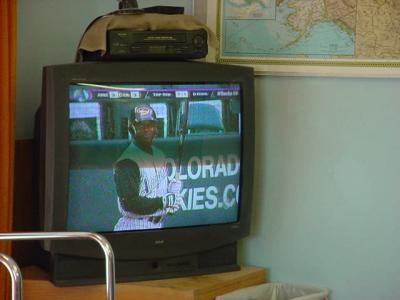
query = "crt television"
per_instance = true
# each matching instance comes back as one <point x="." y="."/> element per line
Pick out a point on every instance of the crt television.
<point x="205" y="130"/>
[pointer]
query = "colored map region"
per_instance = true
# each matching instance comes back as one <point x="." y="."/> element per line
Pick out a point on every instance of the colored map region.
<point x="378" y="29"/>
<point x="250" y="9"/>
<point x="365" y="29"/>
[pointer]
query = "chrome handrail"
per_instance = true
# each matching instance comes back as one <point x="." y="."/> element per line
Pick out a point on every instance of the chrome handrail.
<point x="105" y="245"/>
<point x="15" y="274"/>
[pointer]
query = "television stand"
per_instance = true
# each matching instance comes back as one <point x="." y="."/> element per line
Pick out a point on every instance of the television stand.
<point x="37" y="286"/>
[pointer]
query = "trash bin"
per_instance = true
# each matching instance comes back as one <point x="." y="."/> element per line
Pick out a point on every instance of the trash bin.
<point x="277" y="291"/>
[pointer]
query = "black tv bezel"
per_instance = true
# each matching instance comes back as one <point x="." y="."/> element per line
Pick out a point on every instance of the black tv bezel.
<point x="146" y="244"/>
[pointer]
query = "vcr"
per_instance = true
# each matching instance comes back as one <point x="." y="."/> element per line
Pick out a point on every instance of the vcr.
<point x="162" y="44"/>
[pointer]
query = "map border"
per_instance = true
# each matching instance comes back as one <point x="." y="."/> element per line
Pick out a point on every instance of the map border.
<point x="293" y="66"/>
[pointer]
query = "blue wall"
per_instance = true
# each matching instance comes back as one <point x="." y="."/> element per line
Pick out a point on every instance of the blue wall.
<point x="327" y="196"/>
<point x="48" y="33"/>
<point x="327" y="184"/>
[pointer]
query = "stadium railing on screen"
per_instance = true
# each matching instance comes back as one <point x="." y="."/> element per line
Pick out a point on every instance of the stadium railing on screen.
<point x="16" y="277"/>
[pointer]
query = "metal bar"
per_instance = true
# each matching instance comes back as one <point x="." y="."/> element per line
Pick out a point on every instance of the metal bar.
<point x="105" y="245"/>
<point x="15" y="274"/>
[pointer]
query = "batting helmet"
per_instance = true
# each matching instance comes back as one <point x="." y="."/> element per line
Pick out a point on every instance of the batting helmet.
<point x="143" y="113"/>
<point x="139" y="114"/>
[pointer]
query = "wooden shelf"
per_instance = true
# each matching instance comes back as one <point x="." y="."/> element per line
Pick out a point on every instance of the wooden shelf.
<point x="205" y="287"/>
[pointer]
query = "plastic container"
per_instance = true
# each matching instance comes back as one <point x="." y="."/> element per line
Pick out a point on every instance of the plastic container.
<point x="277" y="291"/>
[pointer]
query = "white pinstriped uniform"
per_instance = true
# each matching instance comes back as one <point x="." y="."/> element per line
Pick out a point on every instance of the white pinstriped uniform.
<point x="153" y="183"/>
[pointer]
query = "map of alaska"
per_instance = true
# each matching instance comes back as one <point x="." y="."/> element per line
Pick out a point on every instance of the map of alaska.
<point x="365" y="29"/>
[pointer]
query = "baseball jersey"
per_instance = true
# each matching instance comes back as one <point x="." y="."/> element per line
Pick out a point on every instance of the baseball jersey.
<point x="152" y="186"/>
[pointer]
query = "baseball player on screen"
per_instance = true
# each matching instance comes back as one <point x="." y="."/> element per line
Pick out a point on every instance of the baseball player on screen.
<point x="145" y="195"/>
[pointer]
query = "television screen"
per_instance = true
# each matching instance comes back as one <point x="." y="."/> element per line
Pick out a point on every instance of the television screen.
<point x="118" y="184"/>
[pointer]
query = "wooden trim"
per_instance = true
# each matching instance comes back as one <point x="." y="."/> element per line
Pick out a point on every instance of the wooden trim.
<point x="7" y="123"/>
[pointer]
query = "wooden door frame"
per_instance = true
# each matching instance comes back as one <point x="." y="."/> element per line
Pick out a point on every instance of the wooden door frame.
<point x="7" y="123"/>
